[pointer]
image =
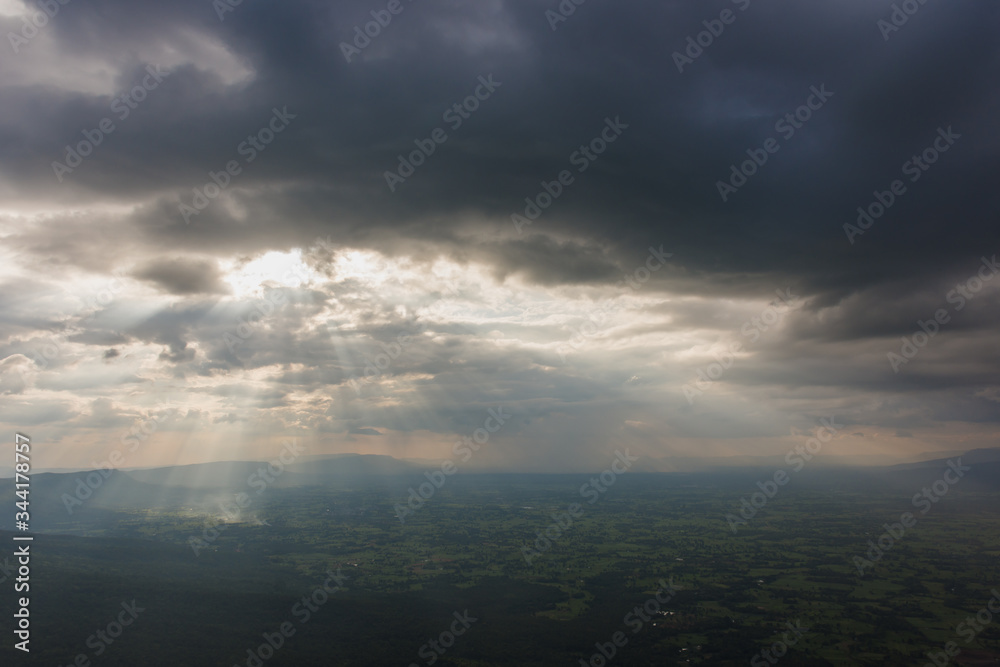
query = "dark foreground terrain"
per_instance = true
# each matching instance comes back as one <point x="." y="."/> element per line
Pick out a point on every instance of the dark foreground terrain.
<point x="652" y="572"/>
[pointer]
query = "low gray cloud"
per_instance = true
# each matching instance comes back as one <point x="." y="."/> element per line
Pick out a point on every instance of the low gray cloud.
<point x="183" y="276"/>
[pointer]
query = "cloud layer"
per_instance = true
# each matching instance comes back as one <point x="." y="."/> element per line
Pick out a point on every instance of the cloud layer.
<point x="222" y="174"/>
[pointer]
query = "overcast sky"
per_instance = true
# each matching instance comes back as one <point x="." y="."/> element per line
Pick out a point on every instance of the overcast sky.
<point x="593" y="320"/>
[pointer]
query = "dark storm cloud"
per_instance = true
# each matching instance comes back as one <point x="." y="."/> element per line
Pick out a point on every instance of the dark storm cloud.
<point x="655" y="184"/>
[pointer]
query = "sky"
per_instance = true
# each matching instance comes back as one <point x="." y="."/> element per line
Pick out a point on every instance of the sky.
<point x="689" y="229"/>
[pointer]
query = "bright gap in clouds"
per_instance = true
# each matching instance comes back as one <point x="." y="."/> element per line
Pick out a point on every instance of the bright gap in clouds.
<point x="248" y="279"/>
<point x="272" y="269"/>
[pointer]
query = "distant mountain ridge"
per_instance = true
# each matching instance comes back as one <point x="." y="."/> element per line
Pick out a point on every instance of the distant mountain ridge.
<point x="69" y="501"/>
<point x="317" y="469"/>
<point x="971" y="457"/>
